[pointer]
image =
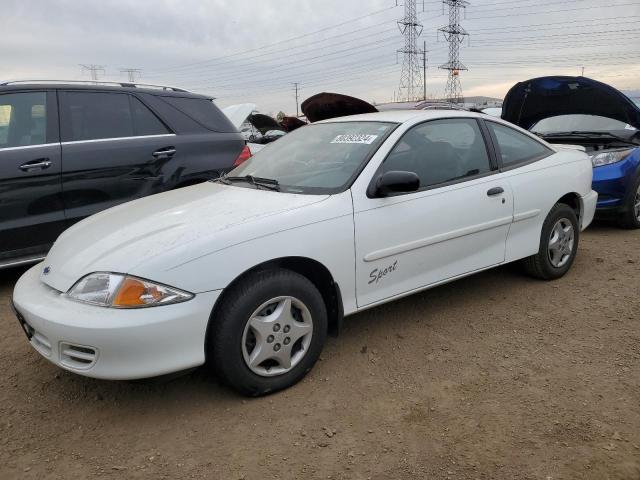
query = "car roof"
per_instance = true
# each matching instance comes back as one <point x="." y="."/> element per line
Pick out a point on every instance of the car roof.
<point x="103" y="87"/>
<point x="403" y="116"/>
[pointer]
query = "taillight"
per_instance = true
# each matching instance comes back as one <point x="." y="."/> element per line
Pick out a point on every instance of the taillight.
<point x="245" y="155"/>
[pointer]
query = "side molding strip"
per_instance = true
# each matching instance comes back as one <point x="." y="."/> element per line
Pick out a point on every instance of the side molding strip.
<point x="443" y="237"/>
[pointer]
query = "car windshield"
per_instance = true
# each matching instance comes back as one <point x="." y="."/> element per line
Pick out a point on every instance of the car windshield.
<point x="579" y="123"/>
<point x="323" y="158"/>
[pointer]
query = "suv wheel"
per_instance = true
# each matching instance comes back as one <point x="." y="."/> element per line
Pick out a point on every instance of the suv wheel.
<point x="268" y="332"/>
<point x="558" y="245"/>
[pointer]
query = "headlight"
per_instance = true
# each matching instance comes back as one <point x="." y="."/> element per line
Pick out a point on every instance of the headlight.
<point x="123" y="291"/>
<point x="612" y="156"/>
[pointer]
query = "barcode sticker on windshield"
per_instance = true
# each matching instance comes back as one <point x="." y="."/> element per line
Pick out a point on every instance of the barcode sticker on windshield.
<point x="355" y="138"/>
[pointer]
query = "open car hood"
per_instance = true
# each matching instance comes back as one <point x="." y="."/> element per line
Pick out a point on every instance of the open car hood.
<point x="263" y="122"/>
<point x="331" y="105"/>
<point x="238" y="114"/>
<point x="291" y="123"/>
<point x="533" y="100"/>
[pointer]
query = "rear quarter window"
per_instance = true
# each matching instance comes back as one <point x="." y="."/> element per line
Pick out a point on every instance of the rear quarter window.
<point x="202" y="111"/>
<point x="516" y="148"/>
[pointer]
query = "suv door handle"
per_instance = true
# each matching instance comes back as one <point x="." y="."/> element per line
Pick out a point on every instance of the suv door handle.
<point x="166" y="152"/>
<point x="495" y="191"/>
<point x="40" y="163"/>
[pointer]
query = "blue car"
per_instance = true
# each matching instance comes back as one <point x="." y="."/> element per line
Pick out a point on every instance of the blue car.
<point x="593" y="115"/>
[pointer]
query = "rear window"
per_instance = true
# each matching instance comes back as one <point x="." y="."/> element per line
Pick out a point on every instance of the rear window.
<point x="202" y="111"/>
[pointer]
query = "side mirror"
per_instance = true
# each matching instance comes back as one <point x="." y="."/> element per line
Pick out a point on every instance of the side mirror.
<point x="396" y="182"/>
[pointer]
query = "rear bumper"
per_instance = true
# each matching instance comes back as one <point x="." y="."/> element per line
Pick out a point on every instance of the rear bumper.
<point x="114" y="344"/>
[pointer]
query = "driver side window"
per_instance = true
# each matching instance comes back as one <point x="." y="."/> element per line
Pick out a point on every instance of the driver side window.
<point x="441" y="152"/>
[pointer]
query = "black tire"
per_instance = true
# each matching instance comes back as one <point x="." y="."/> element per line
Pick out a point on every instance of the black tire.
<point x="629" y="218"/>
<point x="540" y="265"/>
<point x="224" y="346"/>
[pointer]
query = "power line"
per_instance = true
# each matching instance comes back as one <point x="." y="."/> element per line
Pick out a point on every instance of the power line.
<point x="287" y="40"/>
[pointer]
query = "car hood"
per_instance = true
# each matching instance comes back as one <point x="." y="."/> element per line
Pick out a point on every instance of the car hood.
<point x="533" y="100"/>
<point x="263" y="122"/>
<point x="331" y="105"/>
<point x="238" y="114"/>
<point x="154" y="234"/>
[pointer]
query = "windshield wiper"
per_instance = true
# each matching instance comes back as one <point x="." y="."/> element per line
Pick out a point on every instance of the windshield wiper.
<point x="268" y="183"/>
<point x="585" y="134"/>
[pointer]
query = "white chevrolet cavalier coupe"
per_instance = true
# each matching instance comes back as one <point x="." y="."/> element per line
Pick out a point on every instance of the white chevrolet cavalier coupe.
<point x="249" y="273"/>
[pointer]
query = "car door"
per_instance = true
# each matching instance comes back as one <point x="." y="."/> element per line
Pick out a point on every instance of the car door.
<point x="456" y="223"/>
<point x="532" y="183"/>
<point x="31" y="209"/>
<point x="114" y="150"/>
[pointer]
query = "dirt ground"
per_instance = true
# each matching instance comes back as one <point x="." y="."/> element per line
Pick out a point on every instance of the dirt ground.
<point x="496" y="376"/>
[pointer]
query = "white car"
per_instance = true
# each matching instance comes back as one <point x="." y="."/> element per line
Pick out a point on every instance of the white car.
<point x="250" y="272"/>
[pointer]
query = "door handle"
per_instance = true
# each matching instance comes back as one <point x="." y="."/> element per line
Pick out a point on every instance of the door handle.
<point x="167" y="152"/>
<point x="40" y="163"/>
<point x="495" y="191"/>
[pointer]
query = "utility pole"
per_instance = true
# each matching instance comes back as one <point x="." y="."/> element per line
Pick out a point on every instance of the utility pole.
<point x="455" y="35"/>
<point x="131" y="73"/>
<point x="424" y="71"/>
<point x="410" y="78"/>
<point x="297" y="109"/>
<point x="93" y="70"/>
<point x="583" y="71"/>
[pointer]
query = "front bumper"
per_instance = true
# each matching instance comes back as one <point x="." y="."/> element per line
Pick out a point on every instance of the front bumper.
<point x="108" y="343"/>
<point x="612" y="182"/>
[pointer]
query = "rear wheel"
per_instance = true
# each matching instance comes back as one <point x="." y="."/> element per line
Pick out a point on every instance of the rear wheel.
<point x="268" y="332"/>
<point x="631" y="217"/>
<point x="558" y="245"/>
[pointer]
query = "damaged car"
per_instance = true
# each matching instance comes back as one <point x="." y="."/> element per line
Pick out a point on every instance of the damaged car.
<point x="597" y="118"/>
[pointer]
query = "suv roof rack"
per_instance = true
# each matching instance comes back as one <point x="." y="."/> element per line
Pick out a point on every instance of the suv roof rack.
<point x="96" y="82"/>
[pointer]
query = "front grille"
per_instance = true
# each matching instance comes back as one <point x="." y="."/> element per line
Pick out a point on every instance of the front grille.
<point x="77" y="356"/>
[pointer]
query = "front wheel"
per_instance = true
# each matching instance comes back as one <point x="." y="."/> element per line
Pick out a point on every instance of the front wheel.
<point x="268" y="332"/>
<point x="558" y="245"/>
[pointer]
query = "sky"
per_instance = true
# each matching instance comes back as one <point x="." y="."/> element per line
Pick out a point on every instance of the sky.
<point x="253" y="51"/>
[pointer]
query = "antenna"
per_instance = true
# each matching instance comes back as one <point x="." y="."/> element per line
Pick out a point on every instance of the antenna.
<point x="455" y="35"/>
<point x="411" y="81"/>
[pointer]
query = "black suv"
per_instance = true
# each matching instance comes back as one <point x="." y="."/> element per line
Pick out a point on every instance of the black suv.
<point x="69" y="150"/>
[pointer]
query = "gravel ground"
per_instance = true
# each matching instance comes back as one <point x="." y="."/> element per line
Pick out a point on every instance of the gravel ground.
<point x="496" y="376"/>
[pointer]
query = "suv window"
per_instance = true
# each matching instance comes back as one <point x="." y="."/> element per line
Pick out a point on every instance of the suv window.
<point x="96" y="115"/>
<point x="441" y="151"/>
<point x="100" y="115"/>
<point x="516" y="147"/>
<point x="145" y="121"/>
<point x="201" y="110"/>
<point x="23" y="119"/>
